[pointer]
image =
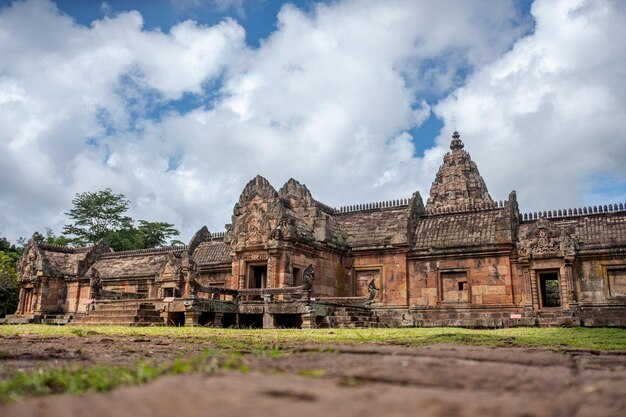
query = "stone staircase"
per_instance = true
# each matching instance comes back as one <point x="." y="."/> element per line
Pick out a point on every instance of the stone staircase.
<point x="58" y="319"/>
<point x="129" y="313"/>
<point x="348" y="317"/>
<point x="547" y="318"/>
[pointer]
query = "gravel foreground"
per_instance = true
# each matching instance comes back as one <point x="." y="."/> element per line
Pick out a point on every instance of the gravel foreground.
<point x="372" y="380"/>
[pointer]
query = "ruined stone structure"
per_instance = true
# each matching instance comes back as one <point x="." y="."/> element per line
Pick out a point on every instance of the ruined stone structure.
<point x="287" y="260"/>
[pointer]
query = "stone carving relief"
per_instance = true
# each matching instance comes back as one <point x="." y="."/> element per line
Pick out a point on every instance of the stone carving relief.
<point x="544" y="239"/>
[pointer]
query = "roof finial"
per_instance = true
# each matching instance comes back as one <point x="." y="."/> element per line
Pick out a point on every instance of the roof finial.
<point x="456" y="143"/>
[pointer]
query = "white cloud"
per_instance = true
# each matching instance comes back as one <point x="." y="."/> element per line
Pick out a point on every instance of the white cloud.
<point x="547" y="117"/>
<point x="328" y="99"/>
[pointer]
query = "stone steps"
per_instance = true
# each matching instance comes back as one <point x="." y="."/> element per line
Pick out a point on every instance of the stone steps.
<point x="123" y="313"/>
<point x="352" y="318"/>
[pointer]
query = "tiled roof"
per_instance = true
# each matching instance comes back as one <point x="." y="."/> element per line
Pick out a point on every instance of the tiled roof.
<point x="128" y="266"/>
<point x="592" y="231"/>
<point x="374" y="228"/>
<point x="211" y="252"/>
<point x="62" y="263"/>
<point x="487" y="227"/>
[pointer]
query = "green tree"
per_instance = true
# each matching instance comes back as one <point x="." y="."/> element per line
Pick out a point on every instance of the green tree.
<point x="156" y="234"/>
<point x="9" y="286"/>
<point x="102" y="215"/>
<point x="97" y="214"/>
<point x="51" y="238"/>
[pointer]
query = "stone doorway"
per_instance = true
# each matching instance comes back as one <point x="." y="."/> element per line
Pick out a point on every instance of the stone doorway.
<point x="258" y="276"/>
<point x="27" y="295"/>
<point x="549" y="289"/>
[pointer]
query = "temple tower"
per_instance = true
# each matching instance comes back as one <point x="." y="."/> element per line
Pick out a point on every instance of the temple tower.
<point x="458" y="182"/>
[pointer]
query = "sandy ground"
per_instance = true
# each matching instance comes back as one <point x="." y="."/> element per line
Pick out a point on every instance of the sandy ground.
<point x="372" y="380"/>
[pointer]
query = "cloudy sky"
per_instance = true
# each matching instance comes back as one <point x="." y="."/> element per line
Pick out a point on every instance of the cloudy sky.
<point x="178" y="103"/>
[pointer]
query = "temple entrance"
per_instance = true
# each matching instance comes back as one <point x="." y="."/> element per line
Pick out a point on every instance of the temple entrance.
<point x="27" y="297"/>
<point x="258" y="276"/>
<point x="251" y="321"/>
<point x="550" y="289"/>
<point x="288" y="321"/>
<point x="297" y="277"/>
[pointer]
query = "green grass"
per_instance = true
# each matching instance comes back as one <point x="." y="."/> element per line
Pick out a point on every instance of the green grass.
<point x="247" y="340"/>
<point x="227" y="346"/>
<point x="79" y="380"/>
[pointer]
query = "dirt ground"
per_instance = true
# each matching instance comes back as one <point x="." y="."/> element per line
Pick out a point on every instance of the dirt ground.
<point x="365" y="380"/>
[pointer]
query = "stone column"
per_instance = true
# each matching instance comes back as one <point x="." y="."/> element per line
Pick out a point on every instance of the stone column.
<point x="564" y="288"/>
<point x="573" y="301"/>
<point x="192" y="318"/>
<point x="217" y="321"/>
<point x="272" y="272"/>
<point x="308" y="318"/>
<point x="534" y="291"/>
<point x="269" y="321"/>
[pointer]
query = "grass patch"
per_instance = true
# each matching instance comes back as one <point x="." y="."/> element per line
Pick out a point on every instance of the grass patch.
<point x="259" y="340"/>
<point x="99" y="378"/>
<point x="225" y="349"/>
<point x="312" y="373"/>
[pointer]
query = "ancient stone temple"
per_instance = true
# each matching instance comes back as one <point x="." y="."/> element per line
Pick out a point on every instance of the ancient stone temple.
<point x="287" y="260"/>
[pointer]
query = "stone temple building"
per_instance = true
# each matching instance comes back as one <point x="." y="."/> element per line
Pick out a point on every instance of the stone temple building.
<point x="288" y="260"/>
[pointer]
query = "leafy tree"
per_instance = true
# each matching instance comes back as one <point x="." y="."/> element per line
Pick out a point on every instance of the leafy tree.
<point x="9" y="286"/>
<point x="51" y="238"/>
<point x="156" y="234"/>
<point x="102" y="215"/>
<point x="97" y="214"/>
<point x="11" y="250"/>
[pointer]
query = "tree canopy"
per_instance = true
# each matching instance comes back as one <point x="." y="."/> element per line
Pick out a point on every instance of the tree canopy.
<point x="97" y="214"/>
<point x="9" y="287"/>
<point x="102" y="215"/>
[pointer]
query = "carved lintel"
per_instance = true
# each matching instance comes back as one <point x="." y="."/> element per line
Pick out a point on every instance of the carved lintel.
<point x="255" y="256"/>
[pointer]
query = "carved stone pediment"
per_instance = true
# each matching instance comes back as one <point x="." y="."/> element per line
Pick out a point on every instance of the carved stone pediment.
<point x="31" y="263"/>
<point x="545" y="240"/>
<point x="255" y="215"/>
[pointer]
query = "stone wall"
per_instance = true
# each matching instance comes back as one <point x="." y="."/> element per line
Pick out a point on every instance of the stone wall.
<point x="488" y="281"/>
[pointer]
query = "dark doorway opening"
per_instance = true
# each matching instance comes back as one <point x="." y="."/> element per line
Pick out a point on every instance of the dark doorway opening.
<point x="550" y="289"/>
<point x="176" y="319"/>
<point x="258" y="276"/>
<point x="297" y="277"/>
<point x="251" y="321"/>
<point x="206" y="319"/>
<point x="288" y="321"/>
<point x="229" y="320"/>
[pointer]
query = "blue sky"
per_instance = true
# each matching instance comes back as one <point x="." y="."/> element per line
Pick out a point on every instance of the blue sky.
<point x="258" y="17"/>
<point x="178" y="103"/>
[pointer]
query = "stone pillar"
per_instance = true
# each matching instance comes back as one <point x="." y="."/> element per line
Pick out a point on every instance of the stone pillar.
<point x="272" y="272"/>
<point x="241" y="274"/>
<point x="268" y="321"/>
<point x="192" y="318"/>
<point x="564" y="288"/>
<point x="308" y="320"/>
<point x="573" y="301"/>
<point x="534" y="291"/>
<point x="217" y="321"/>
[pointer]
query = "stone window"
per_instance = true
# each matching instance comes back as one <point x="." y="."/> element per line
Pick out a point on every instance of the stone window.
<point x="258" y="276"/>
<point x="617" y="282"/>
<point x="549" y="289"/>
<point x="454" y="287"/>
<point x="363" y="279"/>
<point x="297" y="277"/>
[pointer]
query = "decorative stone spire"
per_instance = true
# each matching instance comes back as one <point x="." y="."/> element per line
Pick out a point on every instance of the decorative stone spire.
<point x="458" y="182"/>
<point x="456" y="144"/>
